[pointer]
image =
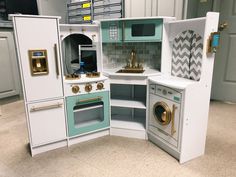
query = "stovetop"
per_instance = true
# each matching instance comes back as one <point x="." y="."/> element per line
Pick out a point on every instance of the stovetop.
<point x="78" y="76"/>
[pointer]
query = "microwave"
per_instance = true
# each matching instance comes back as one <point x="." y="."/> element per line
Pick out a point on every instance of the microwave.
<point x="143" y="30"/>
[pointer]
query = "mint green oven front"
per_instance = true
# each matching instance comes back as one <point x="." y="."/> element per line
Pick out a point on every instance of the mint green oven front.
<point x="87" y="113"/>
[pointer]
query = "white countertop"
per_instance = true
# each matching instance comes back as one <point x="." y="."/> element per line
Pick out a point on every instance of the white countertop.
<point x="171" y="81"/>
<point x="148" y="72"/>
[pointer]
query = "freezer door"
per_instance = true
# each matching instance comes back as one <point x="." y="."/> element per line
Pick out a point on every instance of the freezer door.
<point x="39" y="57"/>
<point x="46" y="122"/>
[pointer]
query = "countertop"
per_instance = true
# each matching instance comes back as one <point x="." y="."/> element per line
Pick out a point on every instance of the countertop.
<point x="6" y="24"/>
<point x="148" y="72"/>
<point x="84" y="79"/>
<point x="171" y="81"/>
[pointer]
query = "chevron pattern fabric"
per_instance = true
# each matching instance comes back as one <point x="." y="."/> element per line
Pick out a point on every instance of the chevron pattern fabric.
<point x="181" y="54"/>
<point x="187" y="55"/>
<point x="196" y="57"/>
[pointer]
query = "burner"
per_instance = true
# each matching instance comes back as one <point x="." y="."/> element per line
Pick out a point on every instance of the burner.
<point x="72" y="76"/>
<point x="93" y="74"/>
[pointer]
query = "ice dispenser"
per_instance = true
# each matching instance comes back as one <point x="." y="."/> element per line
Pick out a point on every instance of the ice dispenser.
<point x="38" y="62"/>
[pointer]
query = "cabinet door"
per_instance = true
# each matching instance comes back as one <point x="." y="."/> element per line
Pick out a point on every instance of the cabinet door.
<point x="135" y="8"/>
<point x="9" y="74"/>
<point x="47" y="122"/>
<point x="32" y="34"/>
<point x="111" y="31"/>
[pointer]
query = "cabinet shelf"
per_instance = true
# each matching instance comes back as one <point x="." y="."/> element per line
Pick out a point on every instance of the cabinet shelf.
<point x="128" y="103"/>
<point x="126" y="122"/>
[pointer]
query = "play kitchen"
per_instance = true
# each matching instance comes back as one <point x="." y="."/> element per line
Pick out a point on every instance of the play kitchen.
<point x="135" y="78"/>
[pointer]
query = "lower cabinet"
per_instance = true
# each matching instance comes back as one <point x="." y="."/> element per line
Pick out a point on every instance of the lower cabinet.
<point x="46" y="122"/>
<point x="9" y="73"/>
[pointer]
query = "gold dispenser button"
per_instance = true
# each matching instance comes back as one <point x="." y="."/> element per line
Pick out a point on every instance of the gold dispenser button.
<point x="75" y="89"/>
<point x="88" y="87"/>
<point x="100" y="86"/>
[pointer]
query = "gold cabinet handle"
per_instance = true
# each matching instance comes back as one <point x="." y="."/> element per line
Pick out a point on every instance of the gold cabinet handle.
<point x="90" y="99"/>
<point x="41" y="108"/>
<point x="222" y="26"/>
<point x="173" y="120"/>
<point x="56" y="59"/>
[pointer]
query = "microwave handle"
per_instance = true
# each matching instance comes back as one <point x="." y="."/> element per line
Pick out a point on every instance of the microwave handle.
<point x="123" y="31"/>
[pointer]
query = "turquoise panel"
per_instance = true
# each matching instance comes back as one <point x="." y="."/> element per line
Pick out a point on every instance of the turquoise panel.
<point x="154" y="38"/>
<point x="72" y="101"/>
<point x="110" y="29"/>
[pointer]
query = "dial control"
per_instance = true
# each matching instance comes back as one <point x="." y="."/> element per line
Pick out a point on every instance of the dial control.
<point x="100" y="86"/>
<point x="75" y="89"/>
<point x="88" y="87"/>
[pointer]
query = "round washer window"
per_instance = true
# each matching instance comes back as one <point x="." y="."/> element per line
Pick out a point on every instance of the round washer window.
<point x="162" y="113"/>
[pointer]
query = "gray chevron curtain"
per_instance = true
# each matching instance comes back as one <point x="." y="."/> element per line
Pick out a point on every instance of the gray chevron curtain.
<point x="187" y="55"/>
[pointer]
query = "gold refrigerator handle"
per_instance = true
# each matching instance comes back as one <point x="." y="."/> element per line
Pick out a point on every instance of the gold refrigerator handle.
<point x="173" y="120"/>
<point x="41" y="108"/>
<point x="56" y="59"/>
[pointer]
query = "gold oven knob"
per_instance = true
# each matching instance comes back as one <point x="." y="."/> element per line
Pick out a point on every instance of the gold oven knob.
<point x="75" y="89"/>
<point x="88" y="87"/>
<point x="100" y="86"/>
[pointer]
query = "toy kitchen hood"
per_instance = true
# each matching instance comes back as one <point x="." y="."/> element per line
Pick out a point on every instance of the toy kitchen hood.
<point x="85" y="81"/>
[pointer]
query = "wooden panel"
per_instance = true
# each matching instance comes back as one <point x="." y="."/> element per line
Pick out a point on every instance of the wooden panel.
<point x="166" y="9"/>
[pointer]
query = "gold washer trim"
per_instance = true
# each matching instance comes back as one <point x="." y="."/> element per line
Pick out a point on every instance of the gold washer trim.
<point x="167" y="111"/>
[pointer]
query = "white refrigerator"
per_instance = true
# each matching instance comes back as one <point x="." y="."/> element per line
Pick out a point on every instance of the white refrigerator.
<point x="38" y="48"/>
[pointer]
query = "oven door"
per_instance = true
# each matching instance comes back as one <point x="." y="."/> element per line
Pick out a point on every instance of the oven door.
<point x="87" y="113"/>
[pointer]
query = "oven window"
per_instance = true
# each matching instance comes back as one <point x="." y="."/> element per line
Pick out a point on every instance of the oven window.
<point x="88" y="114"/>
<point x="143" y="30"/>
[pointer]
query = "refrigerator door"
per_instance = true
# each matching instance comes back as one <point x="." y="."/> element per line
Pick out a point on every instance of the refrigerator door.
<point x="39" y="57"/>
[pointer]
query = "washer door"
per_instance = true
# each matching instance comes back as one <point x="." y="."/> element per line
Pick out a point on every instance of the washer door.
<point x="162" y="113"/>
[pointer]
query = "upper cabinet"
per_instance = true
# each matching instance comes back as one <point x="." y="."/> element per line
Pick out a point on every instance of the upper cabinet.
<point x="112" y="31"/>
<point x="136" y="30"/>
<point x="147" y="8"/>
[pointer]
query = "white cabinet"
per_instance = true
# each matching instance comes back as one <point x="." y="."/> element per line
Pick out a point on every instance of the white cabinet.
<point x="9" y="74"/>
<point x="47" y="122"/>
<point x="146" y="8"/>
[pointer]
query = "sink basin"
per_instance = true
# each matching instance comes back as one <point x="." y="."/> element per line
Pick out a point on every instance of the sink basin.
<point x="130" y="71"/>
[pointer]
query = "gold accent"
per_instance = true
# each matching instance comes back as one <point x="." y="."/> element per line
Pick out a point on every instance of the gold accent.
<point x="41" y="108"/>
<point x="93" y="74"/>
<point x="56" y="59"/>
<point x="223" y="26"/>
<point x="173" y="131"/>
<point x="72" y="76"/>
<point x="38" y="64"/>
<point x="100" y="86"/>
<point x="166" y="115"/>
<point x="132" y="65"/>
<point x="75" y="89"/>
<point x="88" y="87"/>
<point x="90" y="99"/>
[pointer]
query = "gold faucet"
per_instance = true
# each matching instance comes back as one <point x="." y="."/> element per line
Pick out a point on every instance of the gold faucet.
<point x="133" y="59"/>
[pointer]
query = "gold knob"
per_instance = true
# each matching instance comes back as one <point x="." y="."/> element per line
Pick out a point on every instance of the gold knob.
<point x="88" y="87"/>
<point x="75" y="89"/>
<point x="100" y="86"/>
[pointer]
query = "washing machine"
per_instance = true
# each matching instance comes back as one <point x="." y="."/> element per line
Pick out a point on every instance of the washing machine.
<point x="165" y="117"/>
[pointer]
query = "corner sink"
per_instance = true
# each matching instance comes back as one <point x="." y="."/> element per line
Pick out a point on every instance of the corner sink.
<point x="130" y="71"/>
